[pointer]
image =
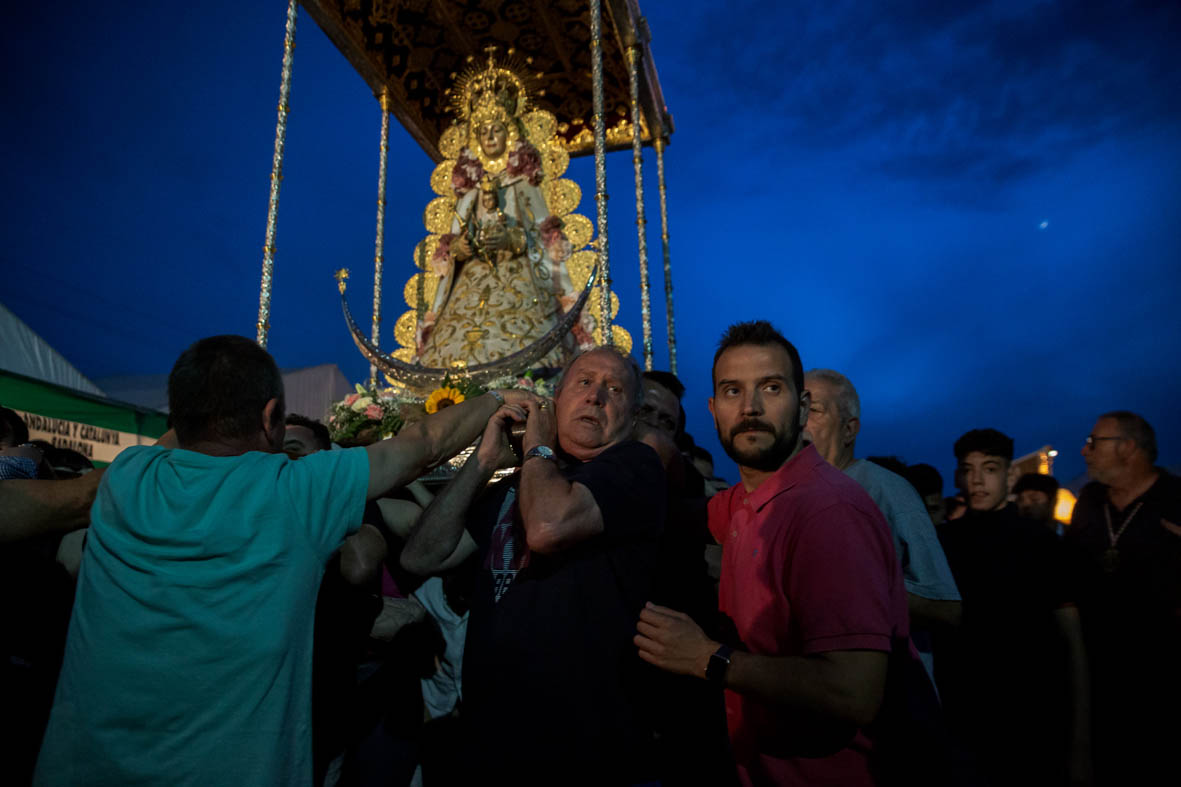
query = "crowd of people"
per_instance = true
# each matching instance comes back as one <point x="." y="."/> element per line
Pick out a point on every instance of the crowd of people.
<point x="587" y="603"/>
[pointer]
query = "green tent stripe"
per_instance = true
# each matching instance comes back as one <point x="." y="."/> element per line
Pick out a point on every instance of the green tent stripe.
<point x="54" y="401"/>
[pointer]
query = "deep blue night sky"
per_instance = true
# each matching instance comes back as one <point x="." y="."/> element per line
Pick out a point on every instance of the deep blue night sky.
<point x="872" y="177"/>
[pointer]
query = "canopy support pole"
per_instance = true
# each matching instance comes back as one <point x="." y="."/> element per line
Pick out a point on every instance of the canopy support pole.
<point x="268" y="249"/>
<point x="633" y="79"/>
<point x="600" y="137"/>
<point x="379" y="244"/>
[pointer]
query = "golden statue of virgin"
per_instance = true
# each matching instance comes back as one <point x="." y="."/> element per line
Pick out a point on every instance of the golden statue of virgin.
<point x="502" y="279"/>
<point x="506" y="281"/>
<point x="506" y="257"/>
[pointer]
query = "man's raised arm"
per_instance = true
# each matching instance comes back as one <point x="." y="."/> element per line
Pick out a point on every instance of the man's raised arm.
<point x="436" y="438"/>
<point x="32" y="508"/>
<point x="439" y="540"/>
<point x="555" y="513"/>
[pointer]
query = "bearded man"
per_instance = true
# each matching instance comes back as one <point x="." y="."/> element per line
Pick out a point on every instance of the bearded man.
<point x="809" y="580"/>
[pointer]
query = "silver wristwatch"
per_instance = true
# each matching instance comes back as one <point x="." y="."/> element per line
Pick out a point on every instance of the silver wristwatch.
<point x="543" y="451"/>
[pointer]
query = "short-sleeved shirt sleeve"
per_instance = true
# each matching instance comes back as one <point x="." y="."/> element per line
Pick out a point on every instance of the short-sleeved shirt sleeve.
<point x="628" y="485"/>
<point x="924" y="566"/>
<point x="326" y="492"/>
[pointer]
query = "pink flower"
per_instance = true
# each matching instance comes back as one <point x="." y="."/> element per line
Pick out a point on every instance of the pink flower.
<point x="524" y="161"/>
<point x="554" y="240"/>
<point x="440" y="262"/>
<point x="374" y="412"/>
<point x="348" y="400"/>
<point x="550" y="230"/>
<point x="466" y="173"/>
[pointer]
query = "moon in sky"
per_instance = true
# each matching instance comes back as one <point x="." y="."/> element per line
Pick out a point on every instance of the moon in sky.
<point x="1043" y="225"/>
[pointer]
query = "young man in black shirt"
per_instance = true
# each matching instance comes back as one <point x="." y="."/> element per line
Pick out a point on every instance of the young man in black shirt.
<point x="1012" y="677"/>
<point x="552" y="689"/>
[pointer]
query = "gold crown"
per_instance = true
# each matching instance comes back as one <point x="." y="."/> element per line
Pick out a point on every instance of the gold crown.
<point x="494" y="91"/>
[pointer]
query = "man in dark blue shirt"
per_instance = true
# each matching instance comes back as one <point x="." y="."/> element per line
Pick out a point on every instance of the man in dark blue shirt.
<point x="553" y="691"/>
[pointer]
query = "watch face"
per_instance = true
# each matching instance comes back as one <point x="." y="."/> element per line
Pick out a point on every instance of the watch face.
<point x="715" y="670"/>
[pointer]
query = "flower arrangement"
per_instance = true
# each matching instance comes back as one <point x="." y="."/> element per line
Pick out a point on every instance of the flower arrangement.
<point x="532" y="381"/>
<point x="466" y="173"/>
<point x="524" y="161"/>
<point x="366" y="408"/>
<point x="379" y="413"/>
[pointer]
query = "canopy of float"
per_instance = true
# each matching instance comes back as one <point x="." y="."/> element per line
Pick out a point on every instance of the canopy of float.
<point x="413" y="50"/>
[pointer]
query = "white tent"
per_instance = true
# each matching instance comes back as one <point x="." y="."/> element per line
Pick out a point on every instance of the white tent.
<point x="60" y="405"/>
<point x="24" y="352"/>
<point x="310" y="390"/>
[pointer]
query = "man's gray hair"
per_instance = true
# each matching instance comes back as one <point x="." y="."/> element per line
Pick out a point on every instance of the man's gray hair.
<point x="637" y="376"/>
<point x="1136" y="429"/>
<point x="848" y="402"/>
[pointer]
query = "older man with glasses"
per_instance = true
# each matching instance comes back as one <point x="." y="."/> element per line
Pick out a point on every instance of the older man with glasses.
<point x="1126" y="540"/>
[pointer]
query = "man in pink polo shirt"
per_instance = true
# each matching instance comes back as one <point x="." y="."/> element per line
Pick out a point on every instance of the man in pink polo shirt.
<point x="809" y="581"/>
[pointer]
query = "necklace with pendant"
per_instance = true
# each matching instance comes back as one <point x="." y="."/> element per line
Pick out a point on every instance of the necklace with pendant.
<point x="1110" y="559"/>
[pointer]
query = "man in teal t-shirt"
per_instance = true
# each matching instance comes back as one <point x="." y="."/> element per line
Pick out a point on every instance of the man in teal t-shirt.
<point x="190" y="646"/>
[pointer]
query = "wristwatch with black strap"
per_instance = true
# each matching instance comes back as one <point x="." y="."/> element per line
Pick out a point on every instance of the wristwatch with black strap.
<point x="719" y="663"/>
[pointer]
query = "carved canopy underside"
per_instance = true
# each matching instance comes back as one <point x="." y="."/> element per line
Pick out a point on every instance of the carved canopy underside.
<point x="414" y="47"/>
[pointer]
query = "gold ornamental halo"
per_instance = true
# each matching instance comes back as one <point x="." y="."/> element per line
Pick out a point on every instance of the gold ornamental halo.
<point x="437" y="216"/>
<point x="429" y="286"/>
<point x="441" y="179"/>
<point x="424" y="252"/>
<point x="554" y="160"/>
<point x="579" y="231"/>
<point x="500" y="91"/>
<point x="623" y="339"/>
<point x="404" y="328"/>
<point x="451" y="143"/>
<point x="405" y="355"/>
<point x="562" y="196"/>
<point x="540" y="126"/>
<point x="580" y="265"/>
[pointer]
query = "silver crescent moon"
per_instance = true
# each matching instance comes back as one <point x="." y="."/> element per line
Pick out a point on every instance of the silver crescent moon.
<point x="424" y="377"/>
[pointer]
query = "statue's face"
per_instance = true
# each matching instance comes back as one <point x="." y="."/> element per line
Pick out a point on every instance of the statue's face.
<point x="493" y="137"/>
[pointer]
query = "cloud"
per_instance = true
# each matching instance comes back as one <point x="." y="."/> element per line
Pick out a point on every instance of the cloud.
<point x="936" y="91"/>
